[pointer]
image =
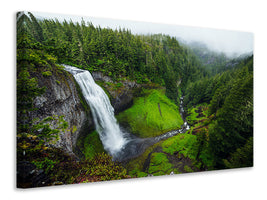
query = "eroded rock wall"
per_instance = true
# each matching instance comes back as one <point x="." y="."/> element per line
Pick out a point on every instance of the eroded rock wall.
<point x="62" y="97"/>
<point x="122" y="97"/>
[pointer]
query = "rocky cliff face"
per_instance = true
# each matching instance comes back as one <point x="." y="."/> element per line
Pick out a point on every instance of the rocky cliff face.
<point x="62" y="97"/>
<point x="121" y="97"/>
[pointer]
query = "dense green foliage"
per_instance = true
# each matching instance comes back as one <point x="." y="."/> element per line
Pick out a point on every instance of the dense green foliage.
<point x="156" y="58"/>
<point x="159" y="164"/>
<point x="229" y="96"/>
<point x="99" y="168"/>
<point x="90" y="145"/>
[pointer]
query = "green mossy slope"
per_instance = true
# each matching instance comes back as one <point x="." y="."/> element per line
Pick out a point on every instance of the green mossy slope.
<point x="90" y="145"/>
<point x="151" y="114"/>
<point x="159" y="164"/>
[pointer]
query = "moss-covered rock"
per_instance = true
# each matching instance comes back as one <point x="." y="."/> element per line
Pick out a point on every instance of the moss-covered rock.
<point x="152" y="114"/>
<point x="183" y="143"/>
<point x="90" y="145"/>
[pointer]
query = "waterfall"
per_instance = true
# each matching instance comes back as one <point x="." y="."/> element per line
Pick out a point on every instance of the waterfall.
<point x="120" y="145"/>
<point x="103" y="113"/>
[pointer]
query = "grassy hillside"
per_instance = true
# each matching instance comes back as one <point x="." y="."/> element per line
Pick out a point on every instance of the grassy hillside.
<point x="151" y="114"/>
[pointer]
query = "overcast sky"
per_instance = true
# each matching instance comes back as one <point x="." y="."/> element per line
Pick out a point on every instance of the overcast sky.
<point x="225" y="41"/>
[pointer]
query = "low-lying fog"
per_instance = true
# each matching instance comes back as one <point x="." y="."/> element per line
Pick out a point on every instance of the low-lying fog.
<point x="229" y="42"/>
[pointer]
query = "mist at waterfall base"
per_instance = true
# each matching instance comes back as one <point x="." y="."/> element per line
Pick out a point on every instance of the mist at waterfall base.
<point x="120" y="144"/>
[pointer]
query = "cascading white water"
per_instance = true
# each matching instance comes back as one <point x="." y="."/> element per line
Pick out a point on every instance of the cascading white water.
<point x="103" y="113"/>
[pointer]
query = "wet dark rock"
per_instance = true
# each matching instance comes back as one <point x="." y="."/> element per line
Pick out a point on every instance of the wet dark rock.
<point x="98" y="76"/>
<point x="123" y="101"/>
<point x="29" y="176"/>
<point x="121" y="98"/>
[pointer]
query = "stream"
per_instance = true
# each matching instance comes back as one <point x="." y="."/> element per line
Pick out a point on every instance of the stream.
<point x="136" y="146"/>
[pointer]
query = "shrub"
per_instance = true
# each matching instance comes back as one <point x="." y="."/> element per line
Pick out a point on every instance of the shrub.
<point x="159" y="164"/>
<point x="47" y="73"/>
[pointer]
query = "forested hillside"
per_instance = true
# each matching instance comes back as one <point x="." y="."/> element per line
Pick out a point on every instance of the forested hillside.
<point x="216" y="93"/>
<point x="228" y="99"/>
<point x="117" y="53"/>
